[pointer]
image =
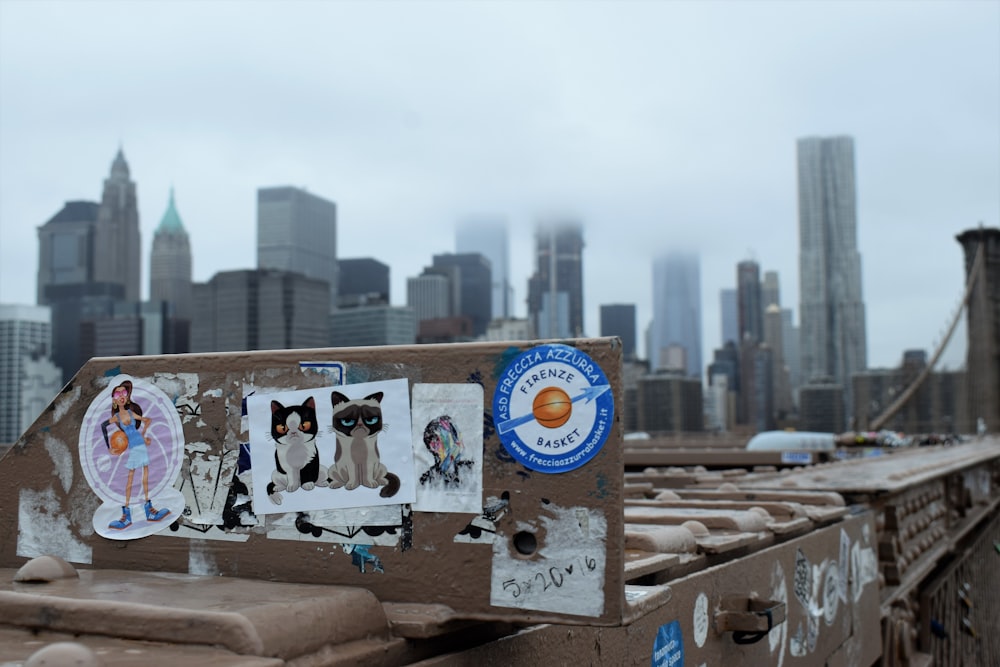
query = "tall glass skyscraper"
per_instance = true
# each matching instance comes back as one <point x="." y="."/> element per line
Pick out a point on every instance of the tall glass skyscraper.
<point x="675" y="335"/>
<point x="832" y="314"/>
<point x="297" y="231"/>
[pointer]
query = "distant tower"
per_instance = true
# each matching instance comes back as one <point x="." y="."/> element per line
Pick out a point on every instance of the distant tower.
<point x="472" y="289"/>
<point x="751" y="312"/>
<point x="170" y="263"/>
<point x="555" y="290"/>
<point x="297" y="231"/>
<point x="618" y="319"/>
<point x="489" y="238"/>
<point x="117" y="247"/>
<point x="983" y="354"/>
<point x="676" y="312"/>
<point x="832" y="312"/>
<point x="730" y="315"/>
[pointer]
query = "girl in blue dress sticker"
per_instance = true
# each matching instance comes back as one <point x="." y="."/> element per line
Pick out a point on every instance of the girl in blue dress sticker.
<point x="141" y="433"/>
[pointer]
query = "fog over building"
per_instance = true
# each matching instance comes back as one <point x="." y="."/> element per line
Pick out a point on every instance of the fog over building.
<point x="28" y="380"/>
<point x="832" y="312"/>
<point x="676" y="325"/>
<point x="488" y="237"/>
<point x="555" y="289"/>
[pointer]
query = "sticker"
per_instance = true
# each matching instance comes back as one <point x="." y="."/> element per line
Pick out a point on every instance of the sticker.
<point x="565" y="574"/>
<point x="448" y="447"/>
<point x="844" y="564"/>
<point x="779" y="593"/>
<point x="131" y="450"/>
<point x="831" y="596"/>
<point x="796" y="458"/>
<point x="333" y="372"/>
<point x="700" y="619"/>
<point x="553" y="408"/>
<point x="331" y="447"/>
<point x="802" y="581"/>
<point x="668" y="649"/>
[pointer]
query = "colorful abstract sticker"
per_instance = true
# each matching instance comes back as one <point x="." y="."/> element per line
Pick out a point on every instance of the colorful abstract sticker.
<point x="553" y="408"/>
<point x="448" y="447"/>
<point x="331" y="447"/>
<point x="131" y="450"/>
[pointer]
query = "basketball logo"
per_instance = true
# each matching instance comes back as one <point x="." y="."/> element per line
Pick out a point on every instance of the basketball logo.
<point x="119" y="442"/>
<point x="552" y="407"/>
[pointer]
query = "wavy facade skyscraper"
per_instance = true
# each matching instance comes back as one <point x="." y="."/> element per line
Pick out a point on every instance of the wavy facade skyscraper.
<point x="833" y="337"/>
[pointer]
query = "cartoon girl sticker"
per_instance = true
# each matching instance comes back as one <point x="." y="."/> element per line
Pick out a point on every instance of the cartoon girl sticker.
<point x="141" y="432"/>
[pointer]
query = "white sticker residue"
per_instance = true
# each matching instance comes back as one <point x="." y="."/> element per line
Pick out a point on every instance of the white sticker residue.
<point x="205" y="482"/>
<point x="566" y="574"/>
<point x="200" y="559"/>
<point x="864" y="568"/>
<point x="700" y="619"/>
<point x="62" y="461"/>
<point x="44" y="532"/>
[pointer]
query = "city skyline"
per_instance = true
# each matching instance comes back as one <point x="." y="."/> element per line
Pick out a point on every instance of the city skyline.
<point x="704" y="158"/>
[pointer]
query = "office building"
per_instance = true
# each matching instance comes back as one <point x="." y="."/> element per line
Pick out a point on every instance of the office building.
<point x="170" y="263"/>
<point x="297" y="232"/>
<point x="669" y="403"/>
<point x="751" y="311"/>
<point x="676" y="322"/>
<point x="117" y="250"/>
<point x="618" y="319"/>
<point x="429" y="295"/>
<point x="555" y="289"/>
<point x="832" y="313"/>
<point x="25" y="337"/>
<point x="373" y="324"/>
<point x="472" y="290"/>
<point x="362" y="281"/>
<point x="730" y="315"/>
<point x="65" y="248"/>
<point x="983" y="326"/>
<point x="488" y="237"/>
<point x="260" y="310"/>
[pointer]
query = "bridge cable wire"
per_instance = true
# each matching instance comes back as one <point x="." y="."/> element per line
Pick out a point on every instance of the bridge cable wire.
<point x="889" y="412"/>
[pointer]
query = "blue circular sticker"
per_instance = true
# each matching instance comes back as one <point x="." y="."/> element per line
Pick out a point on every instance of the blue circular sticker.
<point x="553" y="408"/>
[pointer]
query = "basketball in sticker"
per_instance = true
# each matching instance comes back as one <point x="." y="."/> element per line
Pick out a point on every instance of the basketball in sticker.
<point x="552" y="407"/>
<point x="119" y="443"/>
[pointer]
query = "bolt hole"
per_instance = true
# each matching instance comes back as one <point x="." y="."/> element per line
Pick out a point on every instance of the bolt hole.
<point x="525" y="543"/>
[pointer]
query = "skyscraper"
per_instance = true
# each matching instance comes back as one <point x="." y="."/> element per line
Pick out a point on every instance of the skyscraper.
<point x="259" y="310"/>
<point x="117" y="247"/>
<point x="170" y="263"/>
<point x="297" y="231"/>
<point x="28" y="380"/>
<point x="362" y="281"/>
<point x="832" y="313"/>
<point x="618" y="319"/>
<point x="472" y="289"/>
<point x="751" y="312"/>
<point x="730" y="315"/>
<point x="489" y="238"/>
<point x="676" y="311"/>
<point x="555" y="290"/>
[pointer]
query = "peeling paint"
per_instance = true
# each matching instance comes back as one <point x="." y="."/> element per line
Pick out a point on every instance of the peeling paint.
<point x="43" y="530"/>
<point x="200" y="559"/>
<point x="63" y="403"/>
<point x="212" y="393"/>
<point x="62" y="461"/>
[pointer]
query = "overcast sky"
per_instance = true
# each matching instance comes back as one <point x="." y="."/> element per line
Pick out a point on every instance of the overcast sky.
<point x="659" y="125"/>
